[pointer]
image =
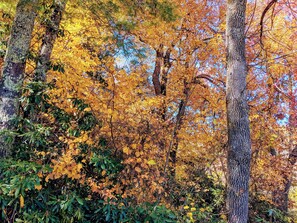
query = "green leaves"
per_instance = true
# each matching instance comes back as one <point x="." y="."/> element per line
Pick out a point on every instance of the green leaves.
<point x="20" y="178"/>
<point x="105" y="162"/>
<point x="146" y="212"/>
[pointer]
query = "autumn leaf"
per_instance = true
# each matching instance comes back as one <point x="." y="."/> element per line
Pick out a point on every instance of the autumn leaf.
<point x="137" y="169"/>
<point x="87" y="109"/>
<point x="38" y="187"/>
<point x="22" y="201"/>
<point x="126" y="150"/>
<point x="151" y="162"/>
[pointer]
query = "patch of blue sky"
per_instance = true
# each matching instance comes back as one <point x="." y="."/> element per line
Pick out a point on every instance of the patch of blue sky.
<point x="129" y="53"/>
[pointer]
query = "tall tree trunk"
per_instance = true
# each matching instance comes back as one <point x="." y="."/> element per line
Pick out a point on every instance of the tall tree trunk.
<point x="239" y="145"/>
<point x="14" y="67"/>
<point x="51" y="33"/>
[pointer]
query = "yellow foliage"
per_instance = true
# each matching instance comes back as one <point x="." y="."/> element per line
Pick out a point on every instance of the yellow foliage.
<point x="139" y="124"/>
<point x="38" y="187"/>
<point x="151" y="162"/>
<point x="22" y="201"/>
<point x="126" y="150"/>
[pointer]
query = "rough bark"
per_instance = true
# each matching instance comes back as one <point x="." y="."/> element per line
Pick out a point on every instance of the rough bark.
<point x="239" y="145"/>
<point x="51" y="33"/>
<point x="14" y="67"/>
<point x="162" y="66"/>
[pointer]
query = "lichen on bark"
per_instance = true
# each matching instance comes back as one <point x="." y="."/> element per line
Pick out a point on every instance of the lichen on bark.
<point x="14" y="68"/>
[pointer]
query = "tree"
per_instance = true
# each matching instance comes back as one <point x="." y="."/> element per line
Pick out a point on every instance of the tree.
<point x="14" y="67"/>
<point x="51" y="33"/>
<point x="239" y="145"/>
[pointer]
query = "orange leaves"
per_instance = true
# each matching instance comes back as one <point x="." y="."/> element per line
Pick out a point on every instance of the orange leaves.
<point x="105" y="188"/>
<point x="141" y="175"/>
<point x="38" y="187"/>
<point x="137" y="125"/>
<point x="67" y="166"/>
<point x="126" y="150"/>
<point x="137" y="169"/>
<point x="103" y="173"/>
